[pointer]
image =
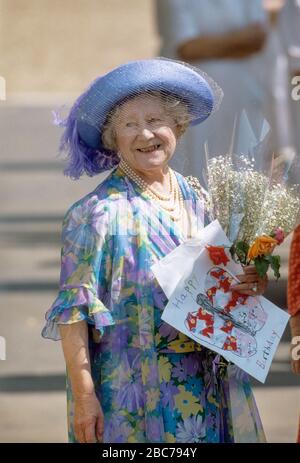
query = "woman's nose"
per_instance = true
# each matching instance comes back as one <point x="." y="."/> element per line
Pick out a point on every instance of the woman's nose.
<point x="146" y="133"/>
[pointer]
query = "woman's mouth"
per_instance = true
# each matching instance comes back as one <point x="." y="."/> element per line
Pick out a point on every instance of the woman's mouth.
<point x="149" y="149"/>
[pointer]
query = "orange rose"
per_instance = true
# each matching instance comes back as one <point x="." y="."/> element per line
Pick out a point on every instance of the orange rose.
<point x="262" y="245"/>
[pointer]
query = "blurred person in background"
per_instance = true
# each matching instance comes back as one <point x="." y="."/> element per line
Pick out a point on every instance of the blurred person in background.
<point x="226" y="38"/>
<point x="289" y="29"/>
<point x="281" y="66"/>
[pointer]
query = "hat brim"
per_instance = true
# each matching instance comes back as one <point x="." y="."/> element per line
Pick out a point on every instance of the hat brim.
<point x="135" y="78"/>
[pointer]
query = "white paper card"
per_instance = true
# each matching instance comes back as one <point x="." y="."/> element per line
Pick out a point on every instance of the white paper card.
<point x="245" y="330"/>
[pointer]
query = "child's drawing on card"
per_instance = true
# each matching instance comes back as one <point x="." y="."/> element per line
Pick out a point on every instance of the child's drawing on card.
<point x="245" y="330"/>
<point x="226" y="319"/>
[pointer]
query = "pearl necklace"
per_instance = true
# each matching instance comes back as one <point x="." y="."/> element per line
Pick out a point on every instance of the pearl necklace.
<point x="134" y="176"/>
<point x="160" y="195"/>
<point x="157" y="196"/>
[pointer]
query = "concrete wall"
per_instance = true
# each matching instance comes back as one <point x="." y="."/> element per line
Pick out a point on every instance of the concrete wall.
<point x="61" y="45"/>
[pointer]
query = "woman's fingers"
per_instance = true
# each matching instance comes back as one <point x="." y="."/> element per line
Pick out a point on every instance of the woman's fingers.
<point x="85" y="431"/>
<point x="251" y="284"/>
<point x="79" y="433"/>
<point x="100" y="428"/>
<point x="250" y="278"/>
<point x="252" y="288"/>
<point x="89" y="431"/>
<point x="245" y="289"/>
<point x="248" y="269"/>
<point x="87" y="411"/>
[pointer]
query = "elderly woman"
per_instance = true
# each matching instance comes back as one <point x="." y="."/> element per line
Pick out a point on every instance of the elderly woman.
<point x="130" y="376"/>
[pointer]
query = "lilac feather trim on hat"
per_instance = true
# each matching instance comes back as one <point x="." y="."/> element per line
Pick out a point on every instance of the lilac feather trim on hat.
<point x="81" y="158"/>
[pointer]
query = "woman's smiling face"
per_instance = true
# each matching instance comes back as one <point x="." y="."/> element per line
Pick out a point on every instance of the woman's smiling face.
<point x="146" y="135"/>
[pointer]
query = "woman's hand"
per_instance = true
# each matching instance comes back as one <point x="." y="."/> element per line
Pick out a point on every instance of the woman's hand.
<point x="88" y="414"/>
<point x="251" y="283"/>
<point x="88" y="419"/>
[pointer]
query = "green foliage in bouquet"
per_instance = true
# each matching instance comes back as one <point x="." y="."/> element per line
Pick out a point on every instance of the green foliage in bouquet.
<point x="255" y="213"/>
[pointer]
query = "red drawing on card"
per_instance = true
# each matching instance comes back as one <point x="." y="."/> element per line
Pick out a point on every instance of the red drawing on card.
<point x="226" y="319"/>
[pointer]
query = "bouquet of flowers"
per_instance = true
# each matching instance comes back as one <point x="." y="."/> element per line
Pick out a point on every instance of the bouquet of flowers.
<point x="249" y="194"/>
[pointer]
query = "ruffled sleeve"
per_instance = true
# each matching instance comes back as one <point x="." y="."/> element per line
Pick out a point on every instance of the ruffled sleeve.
<point x="85" y="269"/>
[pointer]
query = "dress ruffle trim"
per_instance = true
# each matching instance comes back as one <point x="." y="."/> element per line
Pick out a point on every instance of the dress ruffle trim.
<point x="73" y="304"/>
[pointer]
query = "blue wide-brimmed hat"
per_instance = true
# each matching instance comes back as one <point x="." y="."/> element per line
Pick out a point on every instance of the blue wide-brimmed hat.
<point x="82" y="137"/>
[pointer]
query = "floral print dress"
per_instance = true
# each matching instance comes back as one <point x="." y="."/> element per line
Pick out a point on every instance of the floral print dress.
<point x="154" y="384"/>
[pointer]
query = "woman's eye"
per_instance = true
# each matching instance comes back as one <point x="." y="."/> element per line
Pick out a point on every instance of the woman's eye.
<point x="153" y="119"/>
<point x="130" y="124"/>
